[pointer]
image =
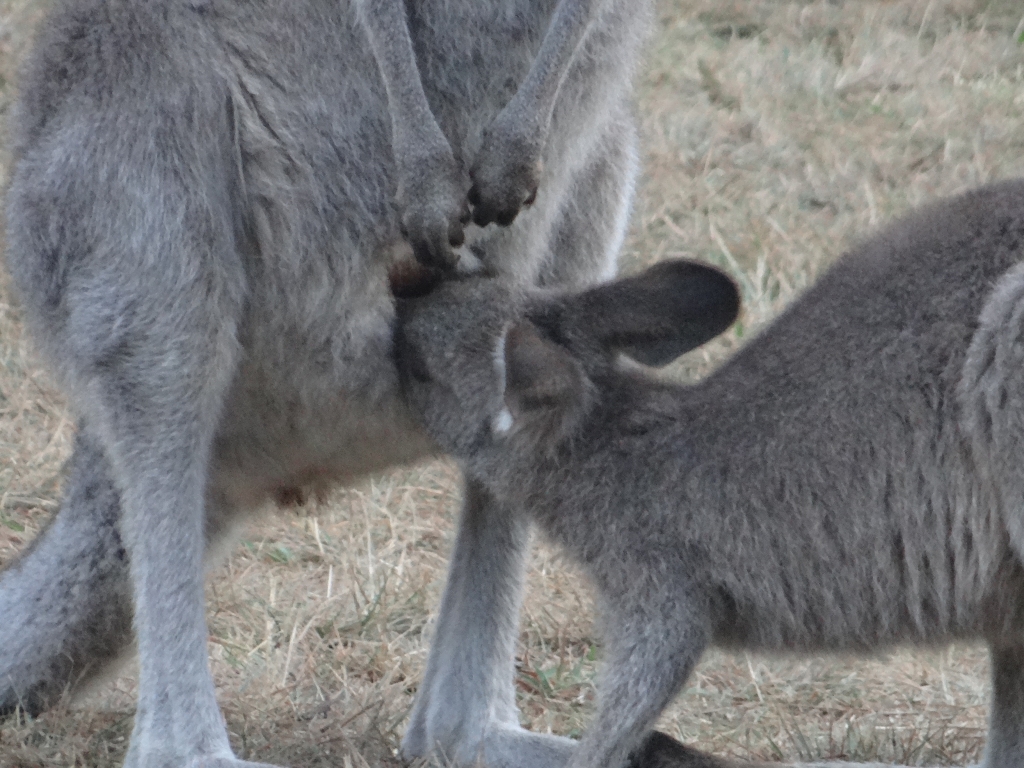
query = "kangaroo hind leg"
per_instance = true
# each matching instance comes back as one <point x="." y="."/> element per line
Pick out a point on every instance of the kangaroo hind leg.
<point x="138" y="289"/>
<point x="66" y="601"/>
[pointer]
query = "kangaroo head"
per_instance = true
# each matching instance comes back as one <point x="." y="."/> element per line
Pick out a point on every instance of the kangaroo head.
<point x="484" y="363"/>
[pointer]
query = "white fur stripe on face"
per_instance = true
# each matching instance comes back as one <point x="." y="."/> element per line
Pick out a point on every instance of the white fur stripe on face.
<point x="499" y="359"/>
<point x="502" y="422"/>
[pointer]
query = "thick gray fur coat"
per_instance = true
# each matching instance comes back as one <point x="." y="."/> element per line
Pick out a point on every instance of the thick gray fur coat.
<point x="206" y="198"/>
<point x="852" y="479"/>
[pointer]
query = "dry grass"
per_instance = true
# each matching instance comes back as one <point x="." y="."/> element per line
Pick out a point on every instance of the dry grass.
<point x="776" y="133"/>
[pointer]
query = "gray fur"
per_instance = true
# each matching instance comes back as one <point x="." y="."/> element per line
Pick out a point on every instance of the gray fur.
<point x="850" y="480"/>
<point x="201" y="220"/>
<point x="507" y="157"/>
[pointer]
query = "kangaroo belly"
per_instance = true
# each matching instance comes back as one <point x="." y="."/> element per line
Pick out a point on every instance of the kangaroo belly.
<point x="316" y="399"/>
<point x="307" y="442"/>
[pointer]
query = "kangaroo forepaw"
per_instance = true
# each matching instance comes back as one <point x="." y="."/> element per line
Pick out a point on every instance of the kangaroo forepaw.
<point x="432" y="198"/>
<point x="505" y="176"/>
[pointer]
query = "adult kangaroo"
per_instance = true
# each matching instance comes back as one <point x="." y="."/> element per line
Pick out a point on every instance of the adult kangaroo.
<point x="206" y="198"/>
<point x="850" y="480"/>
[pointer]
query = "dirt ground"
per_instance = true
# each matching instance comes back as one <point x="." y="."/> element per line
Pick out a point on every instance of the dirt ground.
<point x="775" y="135"/>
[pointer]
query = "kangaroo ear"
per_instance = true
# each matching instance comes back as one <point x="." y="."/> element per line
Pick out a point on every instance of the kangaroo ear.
<point x="545" y="388"/>
<point x="655" y="316"/>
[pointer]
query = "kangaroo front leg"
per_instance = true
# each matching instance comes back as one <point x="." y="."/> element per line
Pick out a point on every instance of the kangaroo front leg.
<point x="654" y="645"/>
<point x="507" y="169"/>
<point x="160" y="438"/>
<point x="66" y="601"/>
<point x="466" y="695"/>
<point x="431" y="182"/>
<point x="154" y="359"/>
<point x="159" y="429"/>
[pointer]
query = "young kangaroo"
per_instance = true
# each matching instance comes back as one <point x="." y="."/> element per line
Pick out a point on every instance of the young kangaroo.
<point x="201" y="219"/>
<point x="851" y="479"/>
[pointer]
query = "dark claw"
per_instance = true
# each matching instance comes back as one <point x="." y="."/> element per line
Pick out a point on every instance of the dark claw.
<point x="482" y="215"/>
<point x="422" y="254"/>
<point x="505" y="218"/>
<point x="485" y="213"/>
